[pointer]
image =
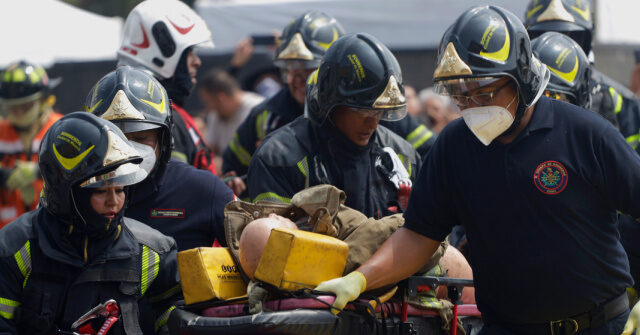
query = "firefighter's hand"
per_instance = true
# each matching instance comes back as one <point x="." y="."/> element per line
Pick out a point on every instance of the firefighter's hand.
<point x="235" y="183"/>
<point x="346" y="289"/>
<point x="23" y="175"/>
<point x="633" y="323"/>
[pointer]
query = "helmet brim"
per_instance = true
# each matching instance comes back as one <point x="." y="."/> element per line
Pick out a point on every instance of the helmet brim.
<point x="124" y="175"/>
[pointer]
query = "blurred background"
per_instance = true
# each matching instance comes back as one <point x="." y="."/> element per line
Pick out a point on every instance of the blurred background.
<point x="77" y="39"/>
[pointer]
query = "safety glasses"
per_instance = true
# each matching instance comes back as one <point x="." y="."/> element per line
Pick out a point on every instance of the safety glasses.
<point x="480" y="91"/>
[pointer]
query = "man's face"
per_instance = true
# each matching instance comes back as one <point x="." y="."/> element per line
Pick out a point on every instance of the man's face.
<point x="413" y="103"/>
<point x="296" y="75"/>
<point x="146" y="137"/>
<point x="193" y="63"/>
<point x="358" y="125"/>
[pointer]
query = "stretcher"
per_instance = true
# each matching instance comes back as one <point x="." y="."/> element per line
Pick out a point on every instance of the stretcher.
<point x="308" y="312"/>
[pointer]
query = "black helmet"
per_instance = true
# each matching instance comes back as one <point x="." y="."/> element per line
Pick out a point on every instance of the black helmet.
<point x="570" y="17"/>
<point x="82" y="150"/>
<point x="357" y="71"/>
<point x="488" y="42"/>
<point x="570" y="67"/>
<point x="134" y="101"/>
<point x="23" y="82"/>
<point x="307" y="38"/>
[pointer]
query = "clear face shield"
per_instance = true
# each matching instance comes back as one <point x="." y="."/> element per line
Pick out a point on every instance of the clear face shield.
<point x="383" y="114"/>
<point x="292" y="70"/>
<point x="466" y="91"/>
<point x="124" y="175"/>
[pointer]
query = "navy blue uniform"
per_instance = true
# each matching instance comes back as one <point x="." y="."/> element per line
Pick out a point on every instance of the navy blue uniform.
<point x="418" y="135"/>
<point x="183" y="202"/>
<point x="540" y="212"/>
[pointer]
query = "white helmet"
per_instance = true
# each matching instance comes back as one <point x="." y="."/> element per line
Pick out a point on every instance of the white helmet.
<point x="157" y="32"/>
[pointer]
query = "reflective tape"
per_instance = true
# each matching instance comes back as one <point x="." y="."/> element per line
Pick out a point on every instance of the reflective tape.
<point x="241" y="153"/>
<point x="166" y="294"/>
<point x="150" y="268"/>
<point x="8" y="308"/>
<point x="261" y="124"/>
<point x="270" y="196"/>
<point x="418" y="136"/>
<point x="23" y="258"/>
<point x="162" y="319"/>
<point x="303" y="166"/>
<point x="617" y="99"/>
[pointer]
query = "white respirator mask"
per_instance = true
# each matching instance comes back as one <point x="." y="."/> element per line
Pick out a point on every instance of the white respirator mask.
<point x="148" y="155"/>
<point x="488" y="122"/>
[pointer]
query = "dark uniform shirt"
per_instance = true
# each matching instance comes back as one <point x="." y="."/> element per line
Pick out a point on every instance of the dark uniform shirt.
<point x="184" y="203"/>
<point x="302" y="154"/>
<point x="540" y="212"/>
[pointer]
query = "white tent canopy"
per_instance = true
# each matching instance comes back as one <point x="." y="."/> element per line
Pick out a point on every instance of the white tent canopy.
<point x="49" y="31"/>
<point x="617" y="22"/>
<point x="400" y="24"/>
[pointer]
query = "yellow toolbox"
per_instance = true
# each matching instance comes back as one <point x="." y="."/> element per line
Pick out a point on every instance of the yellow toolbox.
<point x="208" y="273"/>
<point x="295" y="259"/>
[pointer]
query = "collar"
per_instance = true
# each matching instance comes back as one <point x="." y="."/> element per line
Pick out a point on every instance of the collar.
<point x="542" y="117"/>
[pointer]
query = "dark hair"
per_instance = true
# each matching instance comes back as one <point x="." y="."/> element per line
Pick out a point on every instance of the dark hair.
<point x="219" y="81"/>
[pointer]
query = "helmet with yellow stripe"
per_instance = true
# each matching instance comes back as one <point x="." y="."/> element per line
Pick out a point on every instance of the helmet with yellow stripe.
<point x="24" y="89"/>
<point x="570" y="68"/>
<point x="306" y="39"/>
<point x="83" y="151"/>
<point x="134" y="101"/>
<point x="486" y="43"/>
<point x="570" y="17"/>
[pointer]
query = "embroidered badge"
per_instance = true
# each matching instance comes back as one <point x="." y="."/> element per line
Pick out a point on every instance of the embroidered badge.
<point x="159" y="213"/>
<point x="550" y="177"/>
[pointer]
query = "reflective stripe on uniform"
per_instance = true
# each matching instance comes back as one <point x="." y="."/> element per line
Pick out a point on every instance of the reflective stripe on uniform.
<point x="261" y="124"/>
<point x="23" y="258"/>
<point x="241" y="153"/>
<point x="8" y="307"/>
<point x="162" y="319"/>
<point x="406" y="162"/>
<point x="271" y="197"/>
<point x="150" y="267"/>
<point x="303" y="166"/>
<point x="177" y="155"/>
<point x="11" y="147"/>
<point x="617" y="99"/>
<point x="166" y="294"/>
<point x="418" y="136"/>
<point x="633" y="140"/>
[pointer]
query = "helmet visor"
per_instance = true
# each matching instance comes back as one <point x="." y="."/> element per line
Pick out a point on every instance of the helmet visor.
<point x="385" y="114"/>
<point x="464" y="91"/>
<point x="124" y="175"/>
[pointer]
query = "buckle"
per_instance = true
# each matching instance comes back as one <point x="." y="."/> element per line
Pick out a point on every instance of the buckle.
<point x="564" y="327"/>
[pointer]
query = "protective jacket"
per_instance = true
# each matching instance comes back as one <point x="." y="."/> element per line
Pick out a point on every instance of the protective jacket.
<point x="618" y="105"/>
<point x="45" y="284"/>
<point x="282" y="109"/>
<point x="184" y="203"/>
<point x="12" y="150"/>
<point x="189" y="145"/>
<point x="303" y="154"/>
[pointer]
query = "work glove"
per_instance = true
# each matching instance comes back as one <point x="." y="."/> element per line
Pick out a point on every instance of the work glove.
<point x="346" y="289"/>
<point x="633" y="323"/>
<point x="23" y="175"/>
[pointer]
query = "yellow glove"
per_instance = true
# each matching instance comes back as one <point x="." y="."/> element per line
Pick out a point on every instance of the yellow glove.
<point x="346" y="289"/>
<point x="23" y="175"/>
<point x="633" y="322"/>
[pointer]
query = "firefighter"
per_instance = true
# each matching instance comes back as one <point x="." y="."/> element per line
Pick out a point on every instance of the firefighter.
<point x="303" y="43"/>
<point x="177" y="199"/>
<point x="533" y="180"/>
<point x="358" y="83"/>
<point x="161" y="37"/>
<point x="25" y="93"/>
<point x="610" y="99"/>
<point x="77" y="250"/>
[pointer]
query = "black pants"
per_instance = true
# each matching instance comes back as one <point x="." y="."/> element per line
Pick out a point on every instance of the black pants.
<point x="611" y="327"/>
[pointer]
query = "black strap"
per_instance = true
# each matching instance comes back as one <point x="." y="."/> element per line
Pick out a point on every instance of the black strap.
<point x="130" y="315"/>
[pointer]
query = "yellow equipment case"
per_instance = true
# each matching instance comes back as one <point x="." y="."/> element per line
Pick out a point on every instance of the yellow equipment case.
<point x="208" y="273"/>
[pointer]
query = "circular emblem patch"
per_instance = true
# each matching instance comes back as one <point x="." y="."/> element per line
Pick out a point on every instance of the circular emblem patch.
<point x="550" y="177"/>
